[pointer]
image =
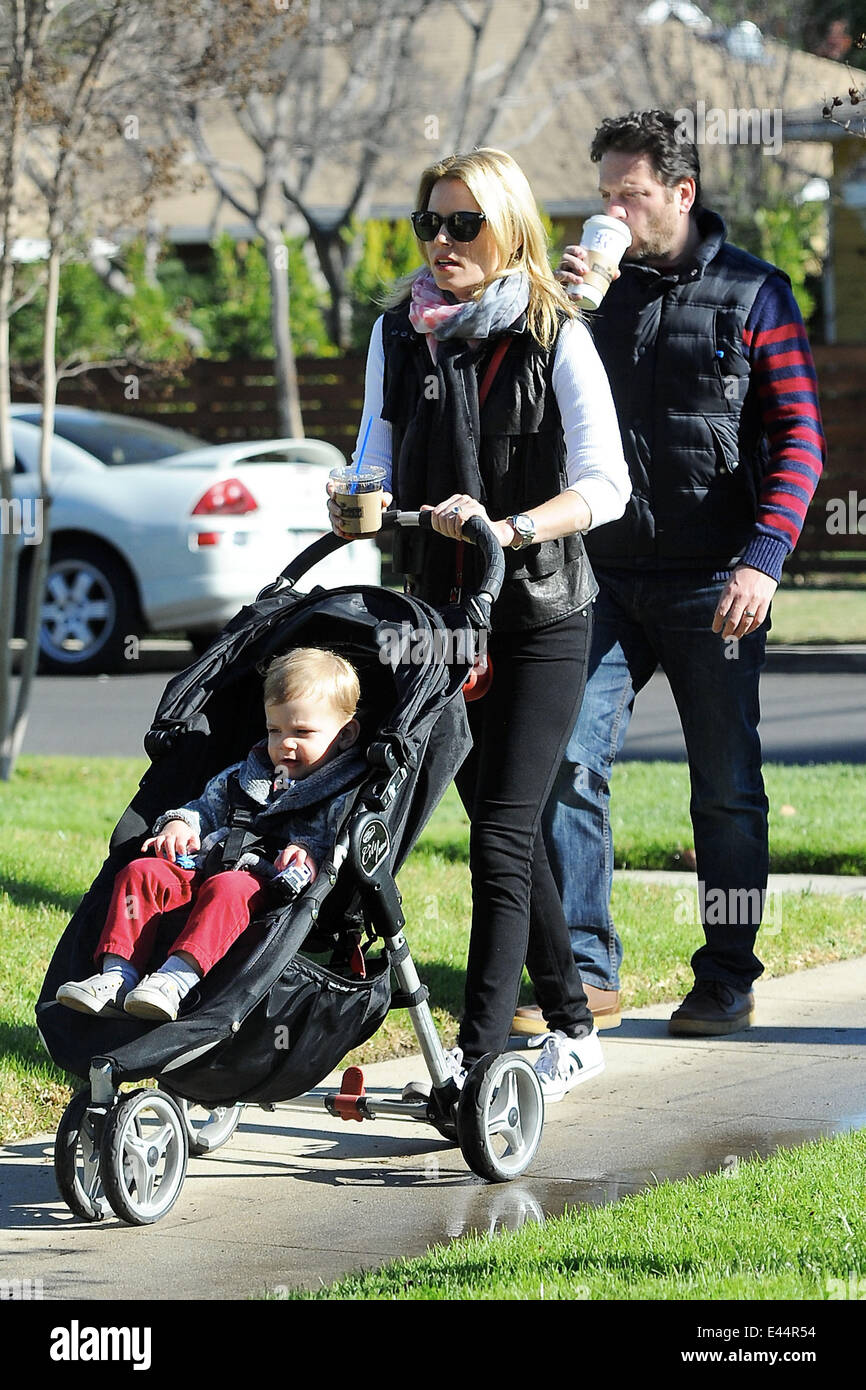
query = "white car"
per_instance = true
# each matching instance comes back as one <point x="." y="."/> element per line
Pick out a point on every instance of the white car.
<point x="153" y="531"/>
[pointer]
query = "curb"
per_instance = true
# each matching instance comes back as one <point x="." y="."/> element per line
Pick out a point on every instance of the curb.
<point x="819" y="660"/>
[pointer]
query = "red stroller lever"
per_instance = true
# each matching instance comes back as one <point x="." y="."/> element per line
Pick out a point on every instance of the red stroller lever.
<point x="348" y="1103"/>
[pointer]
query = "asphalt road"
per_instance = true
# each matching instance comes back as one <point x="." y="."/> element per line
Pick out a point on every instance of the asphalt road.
<point x="809" y="714"/>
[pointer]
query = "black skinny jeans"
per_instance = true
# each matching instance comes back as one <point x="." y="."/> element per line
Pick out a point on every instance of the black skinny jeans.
<point x="519" y="730"/>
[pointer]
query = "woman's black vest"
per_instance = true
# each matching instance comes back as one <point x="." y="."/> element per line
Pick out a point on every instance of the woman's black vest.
<point x="672" y="346"/>
<point x="521" y="460"/>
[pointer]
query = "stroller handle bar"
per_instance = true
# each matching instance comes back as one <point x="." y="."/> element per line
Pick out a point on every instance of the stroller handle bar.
<point x="475" y="530"/>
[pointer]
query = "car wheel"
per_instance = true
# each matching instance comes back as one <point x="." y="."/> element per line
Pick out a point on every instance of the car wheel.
<point x="89" y="611"/>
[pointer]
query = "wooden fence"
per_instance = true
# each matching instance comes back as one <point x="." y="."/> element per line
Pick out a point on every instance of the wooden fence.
<point x="226" y="401"/>
<point x="834" y="535"/>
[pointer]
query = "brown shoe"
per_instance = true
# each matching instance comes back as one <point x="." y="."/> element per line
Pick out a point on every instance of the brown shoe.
<point x="603" y="1004"/>
<point x="529" y="1021"/>
<point x="711" y="1009"/>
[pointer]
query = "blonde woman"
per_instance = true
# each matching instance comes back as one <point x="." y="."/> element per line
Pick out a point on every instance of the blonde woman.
<point x="487" y="399"/>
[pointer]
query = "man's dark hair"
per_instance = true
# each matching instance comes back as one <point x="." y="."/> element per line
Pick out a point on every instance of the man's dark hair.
<point x="657" y="134"/>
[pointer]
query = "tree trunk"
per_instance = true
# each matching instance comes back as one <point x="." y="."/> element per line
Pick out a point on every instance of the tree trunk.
<point x="8" y="550"/>
<point x="333" y="256"/>
<point x="291" y="423"/>
<point x="38" y="568"/>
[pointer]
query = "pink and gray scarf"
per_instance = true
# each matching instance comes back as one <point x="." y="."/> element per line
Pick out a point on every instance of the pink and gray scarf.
<point x="438" y="314"/>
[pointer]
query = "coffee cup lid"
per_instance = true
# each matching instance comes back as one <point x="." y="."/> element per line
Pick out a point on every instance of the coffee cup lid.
<point x="609" y="224"/>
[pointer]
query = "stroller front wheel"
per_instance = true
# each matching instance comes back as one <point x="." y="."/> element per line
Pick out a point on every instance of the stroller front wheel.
<point x="500" y="1116"/>
<point x="76" y="1161"/>
<point x="143" y="1156"/>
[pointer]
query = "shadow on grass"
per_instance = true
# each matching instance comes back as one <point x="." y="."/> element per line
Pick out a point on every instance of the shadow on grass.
<point x="21" y="1044"/>
<point x="446" y="984"/>
<point x="24" y="893"/>
<point x="454" y="851"/>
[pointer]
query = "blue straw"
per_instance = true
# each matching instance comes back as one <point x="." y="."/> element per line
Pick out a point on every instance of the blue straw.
<point x="363" y="447"/>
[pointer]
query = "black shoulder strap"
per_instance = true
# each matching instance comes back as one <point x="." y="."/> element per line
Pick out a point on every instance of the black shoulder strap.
<point x="242" y="809"/>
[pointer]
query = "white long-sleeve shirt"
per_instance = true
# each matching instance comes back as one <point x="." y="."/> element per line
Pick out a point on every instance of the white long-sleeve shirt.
<point x="594" y="465"/>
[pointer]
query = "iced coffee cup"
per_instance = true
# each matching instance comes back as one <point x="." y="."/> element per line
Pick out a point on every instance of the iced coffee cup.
<point x="358" y="492"/>
<point x="605" y="241"/>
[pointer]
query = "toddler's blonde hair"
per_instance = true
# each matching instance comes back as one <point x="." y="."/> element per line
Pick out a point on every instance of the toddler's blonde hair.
<point x="316" y="673"/>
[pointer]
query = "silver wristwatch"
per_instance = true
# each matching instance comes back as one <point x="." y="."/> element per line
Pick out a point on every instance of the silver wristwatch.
<point x="524" y="530"/>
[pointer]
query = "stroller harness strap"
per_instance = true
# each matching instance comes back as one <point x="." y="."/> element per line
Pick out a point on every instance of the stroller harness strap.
<point x="242" y="836"/>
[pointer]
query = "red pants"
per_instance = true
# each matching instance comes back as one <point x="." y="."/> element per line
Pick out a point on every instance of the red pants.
<point x="146" y="888"/>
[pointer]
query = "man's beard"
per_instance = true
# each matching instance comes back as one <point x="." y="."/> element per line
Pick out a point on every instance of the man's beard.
<point x="658" y="240"/>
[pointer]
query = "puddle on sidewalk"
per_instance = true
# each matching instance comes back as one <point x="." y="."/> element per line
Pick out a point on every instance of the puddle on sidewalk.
<point x="484" y="1207"/>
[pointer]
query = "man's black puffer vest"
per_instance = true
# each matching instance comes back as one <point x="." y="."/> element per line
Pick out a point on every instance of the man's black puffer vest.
<point x="522" y="464"/>
<point x="672" y="345"/>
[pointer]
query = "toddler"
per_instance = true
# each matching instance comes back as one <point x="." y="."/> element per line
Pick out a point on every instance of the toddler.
<point x="292" y="787"/>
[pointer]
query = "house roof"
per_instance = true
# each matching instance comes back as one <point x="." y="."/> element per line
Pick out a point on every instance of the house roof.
<point x="810" y="124"/>
<point x="593" y="61"/>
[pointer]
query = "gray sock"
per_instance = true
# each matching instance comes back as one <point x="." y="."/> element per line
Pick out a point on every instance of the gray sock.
<point x="117" y="965"/>
<point x="184" y="975"/>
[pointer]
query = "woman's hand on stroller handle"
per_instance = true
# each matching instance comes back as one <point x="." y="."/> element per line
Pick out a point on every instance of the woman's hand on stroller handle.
<point x="450" y="516"/>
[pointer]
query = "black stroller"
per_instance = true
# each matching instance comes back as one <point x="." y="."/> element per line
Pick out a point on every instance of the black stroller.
<point x="269" y="1023"/>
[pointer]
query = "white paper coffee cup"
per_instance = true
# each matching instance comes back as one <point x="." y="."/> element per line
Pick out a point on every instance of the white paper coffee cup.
<point x="605" y="240"/>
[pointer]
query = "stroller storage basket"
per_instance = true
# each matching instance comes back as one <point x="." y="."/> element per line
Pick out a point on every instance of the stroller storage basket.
<point x="298" y="1033"/>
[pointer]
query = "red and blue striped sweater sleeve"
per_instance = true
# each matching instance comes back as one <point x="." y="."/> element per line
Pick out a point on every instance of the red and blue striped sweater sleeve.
<point x="783" y="374"/>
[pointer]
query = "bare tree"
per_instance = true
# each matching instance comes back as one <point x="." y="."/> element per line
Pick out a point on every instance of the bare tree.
<point x="249" y="28"/>
<point x="338" y="93"/>
<point x="23" y="29"/>
<point x="72" y="64"/>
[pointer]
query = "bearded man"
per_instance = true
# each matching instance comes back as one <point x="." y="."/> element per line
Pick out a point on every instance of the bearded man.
<point x="715" y="392"/>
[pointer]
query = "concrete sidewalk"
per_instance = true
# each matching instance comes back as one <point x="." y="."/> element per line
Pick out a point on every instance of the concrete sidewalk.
<point x="297" y="1198"/>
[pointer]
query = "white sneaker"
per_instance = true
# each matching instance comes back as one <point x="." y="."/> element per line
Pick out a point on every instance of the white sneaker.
<point x="420" y="1090"/>
<point x="156" y="997"/>
<point x="566" y="1062"/>
<point x="98" y="994"/>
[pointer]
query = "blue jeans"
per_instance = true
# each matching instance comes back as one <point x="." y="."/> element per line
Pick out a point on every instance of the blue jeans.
<point x="665" y="618"/>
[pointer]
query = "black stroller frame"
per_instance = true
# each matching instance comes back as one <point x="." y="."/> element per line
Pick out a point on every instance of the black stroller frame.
<point x="267" y="1025"/>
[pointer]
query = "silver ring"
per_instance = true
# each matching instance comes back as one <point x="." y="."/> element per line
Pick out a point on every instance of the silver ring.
<point x="747" y="614"/>
<point x="455" y="511"/>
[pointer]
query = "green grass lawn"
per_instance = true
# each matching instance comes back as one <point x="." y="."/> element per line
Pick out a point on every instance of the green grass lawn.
<point x="818" y="613"/>
<point x="791" y="1227"/>
<point x="817" y="823"/>
<point x="57" y="815"/>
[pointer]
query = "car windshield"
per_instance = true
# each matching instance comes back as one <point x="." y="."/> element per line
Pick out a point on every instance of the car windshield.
<point x="115" y="440"/>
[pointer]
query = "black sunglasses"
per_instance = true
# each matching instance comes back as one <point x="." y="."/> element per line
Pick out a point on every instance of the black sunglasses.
<point x="460" y="226"/>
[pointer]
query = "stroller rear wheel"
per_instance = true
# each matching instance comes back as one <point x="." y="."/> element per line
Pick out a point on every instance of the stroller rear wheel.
<point x="76" y="1161"/>
<point x="207" y="1129"/>
<point x="143" y="1156"/>
<point x="500" y="1116"/>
